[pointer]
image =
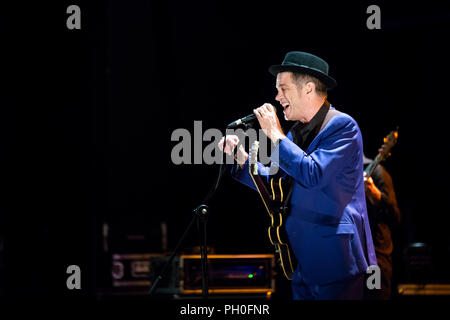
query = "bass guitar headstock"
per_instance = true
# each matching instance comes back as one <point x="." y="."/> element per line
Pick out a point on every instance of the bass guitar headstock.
<point x="389" y="142"/>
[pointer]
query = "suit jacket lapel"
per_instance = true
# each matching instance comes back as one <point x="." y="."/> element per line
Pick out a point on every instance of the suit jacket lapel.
<point x="330" y="115"/>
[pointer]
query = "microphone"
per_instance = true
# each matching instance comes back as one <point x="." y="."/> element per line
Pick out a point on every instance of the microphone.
<point x="244" y="120"/>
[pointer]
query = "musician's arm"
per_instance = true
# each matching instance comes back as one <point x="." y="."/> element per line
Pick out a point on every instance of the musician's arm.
<point x="387" y="206"/>
<point x="242" y="173"/>
<point x="337" y="149"/>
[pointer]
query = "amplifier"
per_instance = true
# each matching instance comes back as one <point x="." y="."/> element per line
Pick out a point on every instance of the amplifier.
<point x="414" y="289"/>
<point x="134" y="273"/>
<point x="243" y="273"/>
<point x="228" y="273"/>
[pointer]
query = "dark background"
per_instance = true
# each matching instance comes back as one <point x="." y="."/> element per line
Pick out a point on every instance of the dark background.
<point x="87" y="117"/>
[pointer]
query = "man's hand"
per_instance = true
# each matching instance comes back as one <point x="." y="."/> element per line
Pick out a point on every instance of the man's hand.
<point x="268" y="120"/>
<point x="372" y="192"/>
<point x="232" y="141"/>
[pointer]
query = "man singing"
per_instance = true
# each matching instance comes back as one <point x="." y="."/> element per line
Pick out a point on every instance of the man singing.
<point x="328" y="228"/>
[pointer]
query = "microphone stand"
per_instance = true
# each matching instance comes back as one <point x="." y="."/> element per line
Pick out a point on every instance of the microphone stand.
<point x="201" y="217"/>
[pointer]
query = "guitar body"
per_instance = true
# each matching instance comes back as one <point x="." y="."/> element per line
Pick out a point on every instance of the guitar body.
<point x="274" y="203"/>
<point x="276" y="231"/>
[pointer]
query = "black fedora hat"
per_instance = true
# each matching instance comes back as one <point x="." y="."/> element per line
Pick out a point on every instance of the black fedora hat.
<point x="303" y="62"/>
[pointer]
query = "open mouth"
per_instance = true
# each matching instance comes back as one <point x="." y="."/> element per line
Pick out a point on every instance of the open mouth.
<point x="286" y="107"/>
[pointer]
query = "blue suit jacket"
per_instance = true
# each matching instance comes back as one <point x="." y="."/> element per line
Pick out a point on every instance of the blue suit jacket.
<point x="328" y="226"/>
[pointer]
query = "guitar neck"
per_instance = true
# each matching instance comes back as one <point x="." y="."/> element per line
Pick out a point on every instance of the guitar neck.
<point x="389" y="141"/>
<point x="262" y="190"/>
<point x="372" y="166"/>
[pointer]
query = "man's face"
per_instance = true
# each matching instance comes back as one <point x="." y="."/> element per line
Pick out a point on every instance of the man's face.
<point x="290" y="97"/>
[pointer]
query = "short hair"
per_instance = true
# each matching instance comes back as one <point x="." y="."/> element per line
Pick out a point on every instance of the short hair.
<point x="301" y="78"/>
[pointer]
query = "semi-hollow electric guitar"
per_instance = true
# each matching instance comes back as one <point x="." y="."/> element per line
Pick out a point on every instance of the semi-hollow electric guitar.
<point x="276" y="205"/>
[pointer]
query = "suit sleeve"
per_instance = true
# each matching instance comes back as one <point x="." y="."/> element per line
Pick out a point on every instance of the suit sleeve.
<point x="335" y="150"/>
<point x="243" y="174"/>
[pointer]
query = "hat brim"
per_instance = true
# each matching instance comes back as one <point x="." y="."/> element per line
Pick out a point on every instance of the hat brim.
<point x="328" y="81"/>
